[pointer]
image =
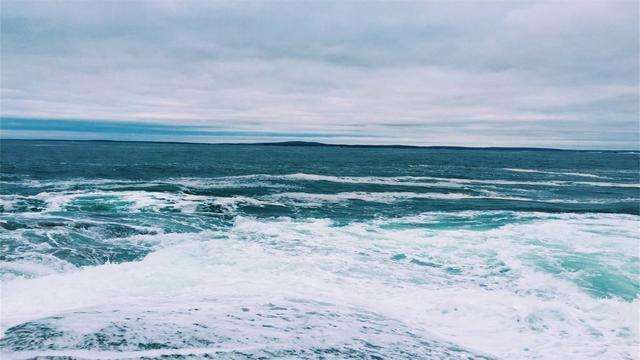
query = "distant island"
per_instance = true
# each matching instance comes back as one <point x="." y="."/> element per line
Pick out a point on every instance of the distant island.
<point x="320" y="144"/>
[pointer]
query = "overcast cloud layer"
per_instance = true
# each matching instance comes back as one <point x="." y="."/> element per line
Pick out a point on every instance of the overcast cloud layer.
<point x="553" y="74"/>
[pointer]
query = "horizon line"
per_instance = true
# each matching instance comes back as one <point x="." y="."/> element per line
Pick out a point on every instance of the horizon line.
<point x="301" y="143"/>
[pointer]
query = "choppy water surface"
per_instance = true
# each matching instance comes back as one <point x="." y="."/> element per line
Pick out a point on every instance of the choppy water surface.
<point x="121" y="250"/>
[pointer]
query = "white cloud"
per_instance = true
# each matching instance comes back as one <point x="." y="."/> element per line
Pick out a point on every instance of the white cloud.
<point x="418" y="73"/>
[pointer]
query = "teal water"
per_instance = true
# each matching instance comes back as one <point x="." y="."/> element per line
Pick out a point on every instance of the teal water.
<point x="120" y="250"/>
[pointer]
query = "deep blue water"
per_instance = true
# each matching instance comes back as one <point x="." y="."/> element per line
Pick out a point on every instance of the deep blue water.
<point x="242" y="251"/>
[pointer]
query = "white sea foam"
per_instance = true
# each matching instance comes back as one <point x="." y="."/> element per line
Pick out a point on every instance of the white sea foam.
<point x="314" y="199"/>
<point x="232" y="202"/>
<point x="8" y="202"/>
<point x="129" y="200"/>
<point x="227" y="182"/>
<point x="416" y="181"/>
<point x="383" y="197"/>
<point x="33" y="265"/>
<point x="263" y="330"/>
<point x="567" y="173"/>
<point x="430" y="181"/>
<point x="593" y="201"/>
<point x="480" y="289"/>
<point x="607" y="184"/>
<point x="144" y="201"/>
<point x="274" y="181"/>
<point x="181" y="182"/>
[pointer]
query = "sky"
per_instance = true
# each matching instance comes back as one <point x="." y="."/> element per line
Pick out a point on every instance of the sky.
<point x="465" y="73"/>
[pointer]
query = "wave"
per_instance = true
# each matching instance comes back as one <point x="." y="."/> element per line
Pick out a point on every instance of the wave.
<point x="386" y="197"/>
<point x="32" y="264"/>
<point x="556" y="173"/>
<point x="182" y="183"/>
<point x="233" y="202"/>
<point x="8" y="202"/>
<point x="429" y="181"/>
<point x="593" y="201"/>
<point x="534" y="280"/>
<point x="268" y="181"/>
<point x="607" y="184"/>
<point x="114" y="200"/>
<point x="101" y="201"/>
<point x="141" y="201"/>
<point x="344" y="350"/>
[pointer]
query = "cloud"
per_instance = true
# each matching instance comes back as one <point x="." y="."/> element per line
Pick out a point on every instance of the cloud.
<point x="423" y="73"/>
<point x="110" y="128"/>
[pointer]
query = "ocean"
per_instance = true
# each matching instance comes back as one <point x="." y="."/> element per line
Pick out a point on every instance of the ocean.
<point x="151" y="250"/>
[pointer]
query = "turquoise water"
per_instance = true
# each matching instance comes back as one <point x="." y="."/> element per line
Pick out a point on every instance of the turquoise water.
<point x="121" y="250"/>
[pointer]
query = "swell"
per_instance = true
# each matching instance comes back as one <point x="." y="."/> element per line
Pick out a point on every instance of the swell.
<point x="271" y="181"/>
<point x="114" y="250"/>
<point x="190" y="195"/>
<point x="284" y="274"/>
<point x="565" y="173"/>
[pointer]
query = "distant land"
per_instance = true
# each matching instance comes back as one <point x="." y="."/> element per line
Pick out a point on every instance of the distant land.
<point x="320" y="144"/>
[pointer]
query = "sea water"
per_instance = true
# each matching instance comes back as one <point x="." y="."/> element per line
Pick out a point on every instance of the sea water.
<point x="127" y="250"/>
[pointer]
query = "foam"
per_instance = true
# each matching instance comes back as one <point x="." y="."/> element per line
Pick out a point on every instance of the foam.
<point x="33" y="265"/>
<point x="383" y="197"/>
<point x="8" y="202"/>
<point x="273" y="181"/>
<point x="567" y="173"/>
<point x="140" y="201"/>
<point x="132" y="200"/>
<point x="234" y="328"/>
<point x="606" y="184"/>
<point x="182" y="182"/>
<point x="593" y="201"/>
<point x="478" y="289"/>
<point x="430" y="181"/>
<point x="228" y="182"/>
<point x="233" y="202"/>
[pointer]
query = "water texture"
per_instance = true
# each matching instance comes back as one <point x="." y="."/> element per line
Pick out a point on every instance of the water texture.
<point x="143" y="250"/>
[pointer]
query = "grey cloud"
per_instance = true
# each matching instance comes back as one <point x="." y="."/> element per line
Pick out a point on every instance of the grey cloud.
<point x="459" y="73"/>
